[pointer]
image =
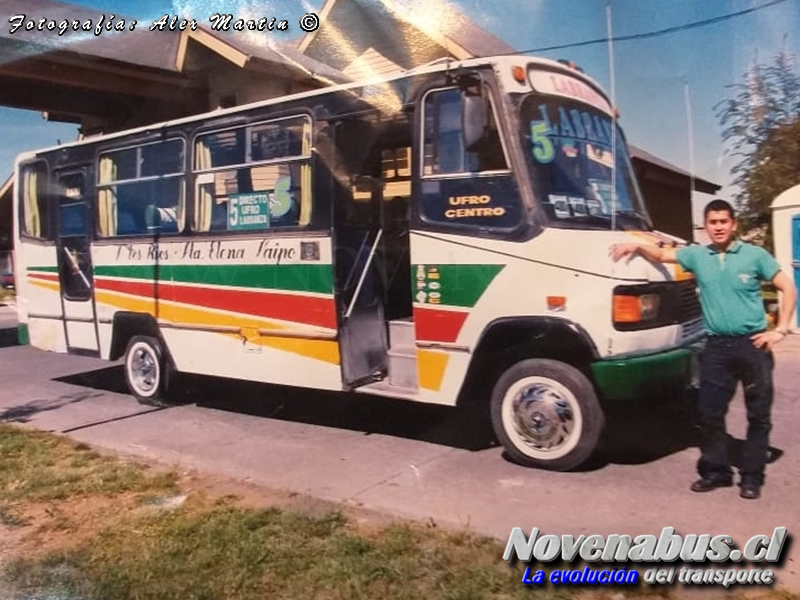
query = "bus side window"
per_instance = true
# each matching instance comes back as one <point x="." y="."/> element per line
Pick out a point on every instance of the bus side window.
<point x="140" y="190"/>
<point x="35" y="210"/>
<point x="446" y="145"/>
<point x="466" y="182"/>
<point x="267" y="182"/>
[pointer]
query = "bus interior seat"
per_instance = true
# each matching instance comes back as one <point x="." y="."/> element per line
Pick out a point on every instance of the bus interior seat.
<point x="126" y="224"/>
<point x="164" y="220"/>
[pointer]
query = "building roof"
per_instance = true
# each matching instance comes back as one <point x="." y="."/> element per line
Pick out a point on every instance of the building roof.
<point x="701" y="185"/>
<point x="145" y="48"/>
<point x="242" y="49"/>
<point x="157" y="49"/>
<point x="439" y="21"/>
<point x="383" y="33"/>
<point x="71" y="75"/>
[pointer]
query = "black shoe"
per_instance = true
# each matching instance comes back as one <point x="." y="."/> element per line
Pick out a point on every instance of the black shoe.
<point x="750" y="491"/>
<point x="706" y="485"/>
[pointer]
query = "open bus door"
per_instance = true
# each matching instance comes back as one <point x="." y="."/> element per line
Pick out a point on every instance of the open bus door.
<point x="358" y="266"/>
<point x="363" y="341"/>
<point x="73" y="245"/>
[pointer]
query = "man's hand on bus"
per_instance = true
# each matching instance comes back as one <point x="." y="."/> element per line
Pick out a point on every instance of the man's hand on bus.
<point x="650" y="252"/>
<point x="618" y="251"/>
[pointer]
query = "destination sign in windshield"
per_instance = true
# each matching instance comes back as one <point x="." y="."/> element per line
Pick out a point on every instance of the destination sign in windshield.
<point x="550" y="82"/>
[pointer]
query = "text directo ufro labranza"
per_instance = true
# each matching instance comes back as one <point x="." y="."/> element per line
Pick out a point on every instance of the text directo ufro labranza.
<point x="668" y="547"/>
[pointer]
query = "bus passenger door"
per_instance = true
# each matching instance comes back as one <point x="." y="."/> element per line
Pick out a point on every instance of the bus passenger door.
<point x="358" y="269"/>
<point x="73" y="244"/>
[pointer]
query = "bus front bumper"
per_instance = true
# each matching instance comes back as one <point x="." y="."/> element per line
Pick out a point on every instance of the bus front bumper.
<point x="643" y="376"/>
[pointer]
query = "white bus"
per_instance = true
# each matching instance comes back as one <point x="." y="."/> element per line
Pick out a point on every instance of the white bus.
<point x="438" y="236"/>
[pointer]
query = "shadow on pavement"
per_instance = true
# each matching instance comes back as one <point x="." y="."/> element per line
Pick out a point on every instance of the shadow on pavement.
<point x="8" y="337"/>
<point x="109" y="379"/>
<point x="454" y="427"/>
<point x="642" y="432"/>
<point x="23" y="413"/>
<point x="636" y="432"/>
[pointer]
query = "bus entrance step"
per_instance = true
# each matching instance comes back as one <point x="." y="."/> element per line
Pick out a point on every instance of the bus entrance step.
<point x="402" y="334"/>
<point x="403" y="368"/>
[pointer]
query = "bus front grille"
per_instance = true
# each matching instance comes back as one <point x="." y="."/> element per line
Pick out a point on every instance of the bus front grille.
<point x="688" y="301"/>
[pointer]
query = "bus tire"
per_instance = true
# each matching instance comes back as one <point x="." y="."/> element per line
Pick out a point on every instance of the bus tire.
<point x="146" y="370"/>
<point x="546" y="414"/>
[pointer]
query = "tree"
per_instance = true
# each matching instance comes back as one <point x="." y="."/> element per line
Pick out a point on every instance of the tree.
<point x="758" y="125"/>
<point x="776" y="168"/>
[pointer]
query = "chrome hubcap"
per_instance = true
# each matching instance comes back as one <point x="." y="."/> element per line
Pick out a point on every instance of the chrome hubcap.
<point x="543" y="417"/>
<point x="143" y="369"/>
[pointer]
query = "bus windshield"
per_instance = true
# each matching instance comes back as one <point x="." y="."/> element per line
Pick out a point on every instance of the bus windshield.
<point x="568" y="147"/>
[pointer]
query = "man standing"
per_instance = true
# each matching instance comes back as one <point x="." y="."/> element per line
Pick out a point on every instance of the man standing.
<point x="729" y="273"/>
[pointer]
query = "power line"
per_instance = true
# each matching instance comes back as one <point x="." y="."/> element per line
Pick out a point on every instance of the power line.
<point x="639" y="36"/>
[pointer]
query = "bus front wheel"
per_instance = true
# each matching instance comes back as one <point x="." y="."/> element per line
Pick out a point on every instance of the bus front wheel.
<point x="145" y="370"/>
<point x="546" y="414"/>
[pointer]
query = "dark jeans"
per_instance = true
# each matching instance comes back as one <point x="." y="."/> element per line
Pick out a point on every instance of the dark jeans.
<point x="725" y="362"/>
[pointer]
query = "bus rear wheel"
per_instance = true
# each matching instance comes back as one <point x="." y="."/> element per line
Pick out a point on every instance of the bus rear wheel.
<point x="546" y="414"/>
<point x="145" y="370"/>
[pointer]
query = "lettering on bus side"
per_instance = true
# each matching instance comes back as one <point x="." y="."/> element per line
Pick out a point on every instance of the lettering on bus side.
<point x="268" y="251"/>
<point x="472" y="210"/>
<point x="481" y="202"/>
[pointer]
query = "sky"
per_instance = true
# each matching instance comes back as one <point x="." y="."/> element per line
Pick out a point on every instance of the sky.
<point x="665" y="85"/>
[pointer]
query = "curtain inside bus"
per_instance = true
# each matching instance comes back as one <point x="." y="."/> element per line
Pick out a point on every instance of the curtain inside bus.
<point x="260" y="170"/>
<point x="107" y="216"/>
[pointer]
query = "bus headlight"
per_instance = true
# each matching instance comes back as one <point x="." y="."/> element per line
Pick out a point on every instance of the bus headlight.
<point x="636" y="308"/>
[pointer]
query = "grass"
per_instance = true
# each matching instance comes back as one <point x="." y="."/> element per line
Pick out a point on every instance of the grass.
<point x="40" y="467"/>
<point x="228" y="552"/>
<point x="90" y="527"/>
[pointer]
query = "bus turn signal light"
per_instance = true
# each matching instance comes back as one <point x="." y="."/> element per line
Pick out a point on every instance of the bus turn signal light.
<point x="632" y="309"/>
<point x="556" y="302"/>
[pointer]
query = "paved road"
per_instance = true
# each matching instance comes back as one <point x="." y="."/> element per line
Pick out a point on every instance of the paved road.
<point x="422" y="462"/>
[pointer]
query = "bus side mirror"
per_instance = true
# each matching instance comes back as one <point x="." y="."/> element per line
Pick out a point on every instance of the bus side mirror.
<point x="474" y="115"/>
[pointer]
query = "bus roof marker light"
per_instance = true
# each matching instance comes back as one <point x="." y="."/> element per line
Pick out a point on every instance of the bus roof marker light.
<point x="570" y="64"/>
<point x="518" y="73"/>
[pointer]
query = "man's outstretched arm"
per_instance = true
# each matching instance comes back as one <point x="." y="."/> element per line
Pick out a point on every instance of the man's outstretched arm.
<point x="650" y="252"/>
<point x="788" y="301"/>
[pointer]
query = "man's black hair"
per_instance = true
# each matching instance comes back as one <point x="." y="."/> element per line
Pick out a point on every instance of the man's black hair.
<point x="717" y="205"/>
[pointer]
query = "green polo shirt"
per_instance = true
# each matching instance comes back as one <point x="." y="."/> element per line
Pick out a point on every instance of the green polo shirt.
<point x="730" y="285"/>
